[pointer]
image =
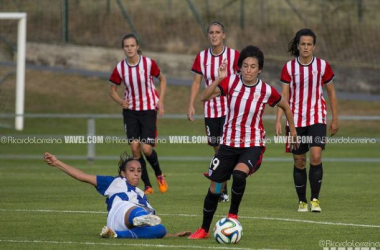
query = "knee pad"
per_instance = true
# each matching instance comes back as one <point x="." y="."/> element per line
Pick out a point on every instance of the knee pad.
<point x="239" y="179"/>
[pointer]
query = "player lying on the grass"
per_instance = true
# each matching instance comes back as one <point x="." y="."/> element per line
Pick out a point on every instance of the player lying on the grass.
<point x="129" y="213"/>
<point x="243" y="140"/>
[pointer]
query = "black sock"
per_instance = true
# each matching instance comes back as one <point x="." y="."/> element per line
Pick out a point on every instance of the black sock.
<point x="153" y="161"/>
<point x="237" y="190"/>
<point x="209" y="207"/>
<point x="300" y="181"/>
<point x="144" y="172"/>
<point x="315" y="178"/>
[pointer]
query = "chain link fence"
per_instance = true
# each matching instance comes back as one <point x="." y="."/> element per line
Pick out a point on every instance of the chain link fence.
<point x="347" y="30"/>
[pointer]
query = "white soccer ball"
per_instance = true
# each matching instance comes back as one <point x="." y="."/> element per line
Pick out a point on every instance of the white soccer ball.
<point x="228" y="231"/>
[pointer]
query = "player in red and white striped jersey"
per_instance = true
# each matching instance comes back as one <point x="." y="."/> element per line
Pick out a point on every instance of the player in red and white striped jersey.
<point x="140" y="104"/>
<point x="206" y="65"/>
<point x="303" y="80"/>
<point x="243" y="141"/>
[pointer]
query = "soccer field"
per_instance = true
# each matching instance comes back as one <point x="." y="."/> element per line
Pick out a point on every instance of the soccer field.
<point x="42" y="208"/>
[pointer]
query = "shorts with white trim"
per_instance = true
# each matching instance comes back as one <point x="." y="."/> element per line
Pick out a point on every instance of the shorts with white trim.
<point x="224" y="162"/>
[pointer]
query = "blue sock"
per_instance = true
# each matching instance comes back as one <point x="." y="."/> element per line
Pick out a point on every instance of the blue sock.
<point x="149" y="232"/>
<point x="138" y="211"/>
<point x="158" y="231"/>
<point x="126" y="234"/>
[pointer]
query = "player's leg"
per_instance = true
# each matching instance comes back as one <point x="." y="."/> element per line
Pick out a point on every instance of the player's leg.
<point x="300" y="180"/>
<point x="148" y="122"/>
<point x="133" y="132"/>
<point x="149" y="232"/>
<point x="137" y="223"/>
<point x="299" y="170"/>
<point x="248" y="163"/>
<point x="219" y="172"/>
<point x="318" y="133"/>
<point x="210" y="205"/>
<point x="214" y="131"/>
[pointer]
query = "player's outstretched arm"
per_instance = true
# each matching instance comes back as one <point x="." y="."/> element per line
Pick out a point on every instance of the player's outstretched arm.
<point x="52" y="160"/>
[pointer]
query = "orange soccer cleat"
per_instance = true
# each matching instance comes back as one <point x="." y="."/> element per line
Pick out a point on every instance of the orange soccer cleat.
<point x="162" y="184"/>
<point x="148" y="190"/>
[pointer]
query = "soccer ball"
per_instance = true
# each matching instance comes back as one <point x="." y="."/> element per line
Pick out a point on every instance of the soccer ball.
<point x="228" y="231"/>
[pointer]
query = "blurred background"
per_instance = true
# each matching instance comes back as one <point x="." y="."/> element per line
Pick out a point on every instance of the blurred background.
<point x="347" y="30"/>
<point x="73" y="45"/>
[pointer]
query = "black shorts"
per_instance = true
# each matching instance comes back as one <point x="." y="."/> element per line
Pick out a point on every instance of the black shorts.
<point x="214" y="130"/>
<point x="141" y="125"/>
<point x="227" y="158"/>
<point x="310" y="136"/>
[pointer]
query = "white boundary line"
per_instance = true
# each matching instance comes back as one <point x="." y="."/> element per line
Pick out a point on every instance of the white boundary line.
<point x="197" y="215"/>
<point x="131" y="245"/>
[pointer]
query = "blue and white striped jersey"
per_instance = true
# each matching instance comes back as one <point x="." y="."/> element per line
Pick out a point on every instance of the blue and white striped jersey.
<point x="118" y="189"/>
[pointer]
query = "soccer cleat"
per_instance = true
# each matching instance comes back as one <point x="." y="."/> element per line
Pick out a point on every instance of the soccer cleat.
<point x="314" y="206"/>
<point x="232" y="216"/>
<point x="224" y="198"/>
<point x="148" y="190"/>
<point x="146" y="220"/>
<point x="302" y="207"/>
<point x="162" y="184"/>
<point x="108" y="233"/>
<point x="199" y="234"/>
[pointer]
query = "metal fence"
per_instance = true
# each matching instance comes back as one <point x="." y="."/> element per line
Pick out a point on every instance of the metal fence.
<point x="347" y="30"/>
<point x="91" y="133"/>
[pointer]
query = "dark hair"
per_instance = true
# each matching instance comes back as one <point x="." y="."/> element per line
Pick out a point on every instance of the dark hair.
<point x="251" y="51"/>
<point x="124" y="159"/>
<point x="215" y="23"/>
<point x="292" y="47"/>
<point x="131" y="35"/>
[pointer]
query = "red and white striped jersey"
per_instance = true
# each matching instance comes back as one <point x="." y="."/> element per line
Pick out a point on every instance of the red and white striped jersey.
<point x="207" y="65"/>
<point x="244" y="126"/>
<point x="138" y="80"/>
<point x="305" y="90"/>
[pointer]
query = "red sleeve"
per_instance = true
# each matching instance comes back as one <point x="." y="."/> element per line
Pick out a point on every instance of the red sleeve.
<point x="285" y="77"/>
<point x="274" y="98"/>
<point x="328" y="75"/>
<point x="236" y="67"/>
<point x="154" y="70"/>
<point x="115" y="77"/>
<point x="197" y="65"/>
<point x="223" y="86"/>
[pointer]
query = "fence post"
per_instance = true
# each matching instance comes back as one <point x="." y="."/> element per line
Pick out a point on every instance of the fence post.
<point x="129" y="20"/>
<point x="197" y="16"/>
<point x="65" y="21"/>
<point x="91" y="134"/>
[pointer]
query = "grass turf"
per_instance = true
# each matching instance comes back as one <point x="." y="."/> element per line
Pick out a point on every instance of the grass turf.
<point x="42" y="208"/>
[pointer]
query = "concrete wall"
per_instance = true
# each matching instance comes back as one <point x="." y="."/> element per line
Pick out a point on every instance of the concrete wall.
<point x="102" y="59"/>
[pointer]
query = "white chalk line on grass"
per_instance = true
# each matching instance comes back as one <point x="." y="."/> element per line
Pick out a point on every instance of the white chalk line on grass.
<point x="196" y="215"/>
<point x="131" y="245"/>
